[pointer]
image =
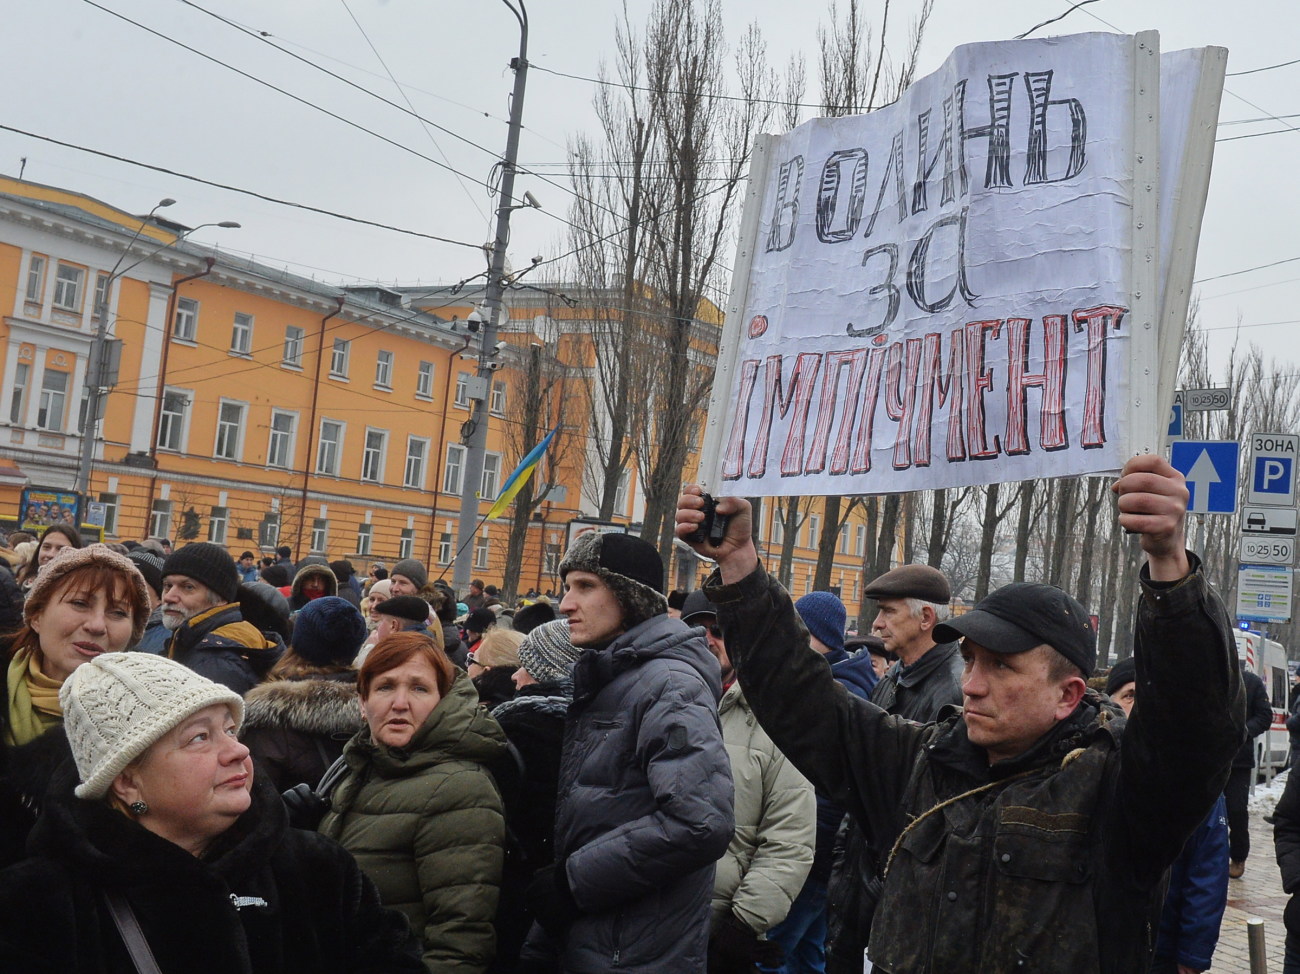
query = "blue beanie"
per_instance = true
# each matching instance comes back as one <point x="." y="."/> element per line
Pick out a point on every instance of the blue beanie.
<point x="825" y="616"/>
<point x="328" y="631"/>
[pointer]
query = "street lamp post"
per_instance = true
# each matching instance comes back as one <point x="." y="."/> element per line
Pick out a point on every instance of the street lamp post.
<point x="95" y="367"/>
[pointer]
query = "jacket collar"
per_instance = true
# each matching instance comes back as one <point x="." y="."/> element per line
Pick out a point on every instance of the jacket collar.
<point x="934" y="658"/>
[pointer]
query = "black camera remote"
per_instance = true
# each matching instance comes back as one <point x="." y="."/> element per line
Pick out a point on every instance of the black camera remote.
<point x="713" y="529"/>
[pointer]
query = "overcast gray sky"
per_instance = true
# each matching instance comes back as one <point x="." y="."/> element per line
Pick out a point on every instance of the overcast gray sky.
<point x="81" y="75"/>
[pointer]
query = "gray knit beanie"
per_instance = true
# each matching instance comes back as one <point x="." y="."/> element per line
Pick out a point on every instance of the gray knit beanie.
<point x="413" y="570"/>
<point x="629" y="566"/>
<point x="546" y="653"/>
<point x="116" y="706"/>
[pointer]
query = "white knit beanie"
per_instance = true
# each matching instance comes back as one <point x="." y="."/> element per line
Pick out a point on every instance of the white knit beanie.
<point x="117" y="705"/>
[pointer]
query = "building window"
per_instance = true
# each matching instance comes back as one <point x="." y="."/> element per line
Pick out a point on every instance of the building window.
<point x="292" y="345"/>
<point x="424" y="380"/>
<point x="67" y="287"/>
<point x="778" y="528"/>
<point x="110" y="502"/>
<point x="417" y="450"/>
<point x="53" y="402"/>
<point x="444" y="548"/>
<point x="268" y="533"/>
<point x="171" y="424"/>
<point x="217" y="523"/>
<point x="35" y="279"/>
<point x="101" y="294"/>
<point x="241" y="336"/>
<point x="406" y="543"/>
<point x="160" y="519"/>
<point x="814" y="529"/>
<point x="365" y="536"/>
<point x="384" y="369"/>
<point x="372" y="455"/>
<point x="331" y="445"/>
<point x="491" y="476"/>
<point x="18" y="398"/>
<point x="339" y="359"/>
<point x="186" y="325"/>
<point x="620" y="492"/>
<point x="844" y="540"/>
<point x="860" y="542"/>
<point x="497" y="402"/>
<point x="279" y="451"/>
<point x="452" y="474"/>
<point x="320" y="535"/>
<point x="481" y="548"/>
<point x="552" y="559"/>
<point x="462" y="390"/>
<point x="230" y="431"/>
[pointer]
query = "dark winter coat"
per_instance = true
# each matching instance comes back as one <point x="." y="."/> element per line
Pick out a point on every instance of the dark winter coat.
<point x="1286" y="843"/>
<point x="297" y="728"/>
<point x="534" y="723"/>
<point x="917" y="692"/>
<point x="308" y="908"/>
<point x="25" y="776"/>
<point x="1198" y="892"/>
<point x="494" y="686"/>
<point x="154" y="639"/>
<point x="220" y="645"/>
<point x="453" y="645"/>
<point x="644" y="802"/>
<point x="857" y="674"/>
<point x="1050" y="861"/>
<point x="1259" y="717"/>
<point x="11" y="601"/>
<point x="425" y="822"/>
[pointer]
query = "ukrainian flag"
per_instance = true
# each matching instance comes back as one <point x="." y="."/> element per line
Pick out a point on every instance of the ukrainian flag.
<point x="515" y="482"/>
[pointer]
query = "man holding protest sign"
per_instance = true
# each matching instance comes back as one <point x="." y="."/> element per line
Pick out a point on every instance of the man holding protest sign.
<point x="1020" y="834"/>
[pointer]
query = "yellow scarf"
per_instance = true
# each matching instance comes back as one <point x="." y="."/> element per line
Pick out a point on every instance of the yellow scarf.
<point x="33" y="699"/>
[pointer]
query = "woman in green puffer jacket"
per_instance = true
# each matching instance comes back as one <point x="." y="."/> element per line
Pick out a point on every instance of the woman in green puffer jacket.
<point x="418" y="808"/>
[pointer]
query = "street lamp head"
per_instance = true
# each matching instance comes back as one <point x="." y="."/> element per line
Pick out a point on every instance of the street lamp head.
<point x="229" y="224"/>
<point x="165" y="201"/>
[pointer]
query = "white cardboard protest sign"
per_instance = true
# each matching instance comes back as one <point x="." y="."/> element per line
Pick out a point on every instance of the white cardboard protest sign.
<point x="954" y="289"/>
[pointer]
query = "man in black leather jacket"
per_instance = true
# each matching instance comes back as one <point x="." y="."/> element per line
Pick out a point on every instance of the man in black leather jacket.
<point x="1021" y="834"/>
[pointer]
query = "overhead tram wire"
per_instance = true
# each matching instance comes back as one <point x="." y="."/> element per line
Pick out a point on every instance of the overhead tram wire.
<point x="1270" y="67"/>
<point x="236" y="189"/>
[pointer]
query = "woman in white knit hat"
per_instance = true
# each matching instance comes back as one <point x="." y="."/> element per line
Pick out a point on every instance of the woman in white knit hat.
<point x="168" y="851"/>
<point x="85" y="602"/>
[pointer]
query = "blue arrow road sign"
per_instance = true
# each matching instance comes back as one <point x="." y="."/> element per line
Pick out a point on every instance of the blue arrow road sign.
<point x="1211" y="471"/>
<point x="1175" y="421"/>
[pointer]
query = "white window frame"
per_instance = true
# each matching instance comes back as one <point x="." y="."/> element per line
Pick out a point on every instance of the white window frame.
<point x="293" y="342"/>
<point x="320" y="535"/>
<point x="777" y="534"/>
<point x="490" y="483"/>
<point x="339" y="356"/>
<point x="218" y="525"/>
<point x="49" y="397"/>
<point x="497" y="398"/>
<point x="67" y="290"/>
<point x="453" y="473"/>
<point x="814" y="530"/>
<point x="461" y="400"/>
<point x="406" y="543"/>
<point x="268" y="531"/>
<point x="18" y="397"/>
<point x="860" y="541"/>
<point x="373" y="457"/>
<point x="482" y="548"/>
<point x="185" y="327"/>
<point x="365" y="538"/>
<point x="424" y="380"/>
<point x="551" y="558"/>
<point x="416" y="466"/>
<point x="331" y="469"/>
<point x="34" y="290"/>
<point x="229" y="442"/>
<point x="160" y="519"/>
<point x="844" y="539"/>
<point x="182" y="424"/>
<point x="620" y="491"/>
<point x="444" y="548"/>
<point x="286" y="440"/>
<point x="384" y="369"/>
<point x="241" y="334"/>
<point x="101" y="294"/>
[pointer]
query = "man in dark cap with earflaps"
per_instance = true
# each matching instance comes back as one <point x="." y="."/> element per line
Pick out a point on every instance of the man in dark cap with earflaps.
<point x="1021" y="835"/>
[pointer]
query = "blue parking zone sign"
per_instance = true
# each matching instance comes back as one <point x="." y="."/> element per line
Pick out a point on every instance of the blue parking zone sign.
<point x="1271" y="475"/>
<point x="1210" y="467"/>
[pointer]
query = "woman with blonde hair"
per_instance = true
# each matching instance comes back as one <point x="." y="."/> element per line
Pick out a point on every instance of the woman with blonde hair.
<point x="492" y="664"/>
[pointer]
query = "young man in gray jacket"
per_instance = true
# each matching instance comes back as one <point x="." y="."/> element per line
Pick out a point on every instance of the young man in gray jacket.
<point x="644" y="805"/>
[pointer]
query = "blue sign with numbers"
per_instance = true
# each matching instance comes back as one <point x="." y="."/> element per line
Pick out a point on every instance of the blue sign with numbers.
<point x="1210" y="467"/>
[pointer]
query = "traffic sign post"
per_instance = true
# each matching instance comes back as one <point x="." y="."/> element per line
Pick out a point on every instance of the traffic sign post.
<point x="1264" y="593"/>
<point x="1210" y="467"/>
<point x="1272" y="469"/>
<point x="1268" y="536"/>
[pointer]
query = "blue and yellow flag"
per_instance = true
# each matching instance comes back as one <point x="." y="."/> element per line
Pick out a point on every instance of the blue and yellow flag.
<point x="521" y="474"/>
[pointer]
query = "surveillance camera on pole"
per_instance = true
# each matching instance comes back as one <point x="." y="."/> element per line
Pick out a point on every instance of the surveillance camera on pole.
<point x="475" y="321"/>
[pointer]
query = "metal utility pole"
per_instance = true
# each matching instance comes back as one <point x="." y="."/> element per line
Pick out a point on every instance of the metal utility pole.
<point x="475" y="429"/>
<point x="97" y="371"/>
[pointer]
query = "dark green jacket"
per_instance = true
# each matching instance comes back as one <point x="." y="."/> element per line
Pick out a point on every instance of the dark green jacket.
<point x="1052" y="861"/>
<point x="426" y="825"/>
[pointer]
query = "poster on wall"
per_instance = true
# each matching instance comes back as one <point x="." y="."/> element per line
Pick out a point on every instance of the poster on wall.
<point x="40" y="507"/>
<point x="963" y="287"/>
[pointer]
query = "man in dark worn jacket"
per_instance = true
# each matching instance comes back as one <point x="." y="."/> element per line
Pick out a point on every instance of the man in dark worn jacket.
<point x="644" y="804"/>
<point x="1033" y="830"/>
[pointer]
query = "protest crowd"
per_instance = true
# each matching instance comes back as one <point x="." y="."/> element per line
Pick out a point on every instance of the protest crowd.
<point x="220" y="764"/>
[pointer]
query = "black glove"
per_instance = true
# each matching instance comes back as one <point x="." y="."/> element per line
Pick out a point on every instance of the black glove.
<point x="734" y="948"/>
<point x="305" y="807"/>
<point x="551" y="901"/>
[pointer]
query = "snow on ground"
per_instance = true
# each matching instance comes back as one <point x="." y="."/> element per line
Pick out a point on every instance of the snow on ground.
<point x="1265" y="796"/>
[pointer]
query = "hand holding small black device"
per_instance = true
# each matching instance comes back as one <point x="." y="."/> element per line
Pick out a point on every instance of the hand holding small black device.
<point x="713" y="529"/>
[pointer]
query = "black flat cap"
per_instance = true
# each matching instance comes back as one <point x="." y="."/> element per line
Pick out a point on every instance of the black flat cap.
<point x="911" y="582"/>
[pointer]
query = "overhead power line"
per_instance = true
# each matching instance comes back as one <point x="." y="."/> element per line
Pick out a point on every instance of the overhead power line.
<point x="1245" y="270"/>
<point x="1270" y="67"/>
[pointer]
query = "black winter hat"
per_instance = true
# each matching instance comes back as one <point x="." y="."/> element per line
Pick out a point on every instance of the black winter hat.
<point x="412" y="608"/>
<point x="480" y="620"/>
<point x="531" y="616"/>
<point x="629" y="566"/>
<point x="150" y="566"/>
<point x="328" y="631"/>
<point x="1123" y="672"/>
<point x="206" y="563"/>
